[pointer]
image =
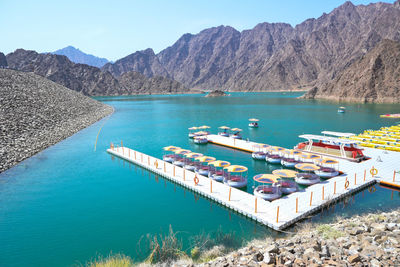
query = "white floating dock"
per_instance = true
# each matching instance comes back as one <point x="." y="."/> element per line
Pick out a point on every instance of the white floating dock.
<point x="280" y="213"/>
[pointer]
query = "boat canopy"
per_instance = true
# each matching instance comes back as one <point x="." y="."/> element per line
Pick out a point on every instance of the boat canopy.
<point x="171" y="148"/>
<point x="236" y="168"/>
<point x="182" y="151"/>
<point x="285" y="173"/>
<point x="266" y="178"/>
<point x="291" y="152"/>
<point x="339" y="134"/>
<point x="236" y="129"/>
<point x="192" y="128"/>
<point x="259" y="145"/>
<point x="205" y="159"/>
<point x="224" y="127"/>
<point x="309" y="156"/>
<point x="220" y="163"/>
<point x="193" y="155"/>
<point x="306" y="167"/>
<point x="329" y="139"/>
<point x="201" y="133"/>
<point x="253" y="119"/>
<point x="276" y="148"/>
<point x="327" y="161"/>
<point x="204" y="127"/>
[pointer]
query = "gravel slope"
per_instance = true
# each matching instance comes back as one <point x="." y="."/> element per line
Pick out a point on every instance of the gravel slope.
<point x="36" y="113"/>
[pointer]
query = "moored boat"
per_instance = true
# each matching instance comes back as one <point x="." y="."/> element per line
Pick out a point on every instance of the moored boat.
<point x="223" y="131"/>
<point x="236" y="176"/>
<point x="191" y="132"/>
<point x="259" y="151"/>
<point x="307" y="178"/>
<point x="341" y="110"/>
<point x="216" y="171"/>
<point x="203" y="168"/>
<point x="273" y="155"/>
<point x="200" y="140"/>
<point x="235" y="133"/>
<point x="253" y="123"/>
<point x="327" y="172"/>
<point x="287" y="186"/>
<point x="269" y="190"/>
<point x="169" y="155"/>
<point x="179" y="158"/>
<point x="332" y="146"/>
<point x="190" y="163"/>
<point x="289" y="158"/>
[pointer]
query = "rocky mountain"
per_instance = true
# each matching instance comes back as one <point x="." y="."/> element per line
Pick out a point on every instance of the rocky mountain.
<point x="375" y="77"/>
<point x="144" y="62"/>
<point x="136" y="83"/>
<point x="77" y="56"/>
<point x="273" y="56"/>
<point x="3" y="61"/>
<point x="87" y="79"/>
<point x="36" y="113"/>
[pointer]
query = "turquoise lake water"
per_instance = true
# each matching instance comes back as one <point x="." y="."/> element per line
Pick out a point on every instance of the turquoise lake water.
<point x="70" y="203"/>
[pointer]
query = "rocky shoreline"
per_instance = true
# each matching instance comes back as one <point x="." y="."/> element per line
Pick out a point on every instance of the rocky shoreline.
<point x="36" y="113"/>
<point x="367" y="240"/>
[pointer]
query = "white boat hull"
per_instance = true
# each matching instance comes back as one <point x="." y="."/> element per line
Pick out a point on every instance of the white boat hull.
<point x="218" y="178"/>
<point x="258" y="155"/>
<point x="178" y="163"/>
<point x="191" y="168"/>
<point x="323" y="174"/>
<point x="288" y="164"/>
<point x="259" y="192"/>
<point x="307" y="181"/>
<point x="252" y="125"/>
<point x="191" y="135"/>
<point x="200" y="141"/>
<point x="273" y="160"/>
<point x="168" y="158"/>
<point x="236" y="184"/>
<point x="202" y="172"/>
<point x="236" y="136"/>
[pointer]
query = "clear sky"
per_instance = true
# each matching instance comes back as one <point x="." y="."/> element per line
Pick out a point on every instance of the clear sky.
<point x="116" y="28"/>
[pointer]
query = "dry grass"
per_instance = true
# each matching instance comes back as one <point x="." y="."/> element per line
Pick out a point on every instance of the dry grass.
<point x="328" y="232"/>
<point x="112" y="261"/>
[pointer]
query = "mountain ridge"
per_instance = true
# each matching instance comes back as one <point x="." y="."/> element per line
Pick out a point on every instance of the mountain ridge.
<point x="77" y="56"/>
<point x="277" y="56"/>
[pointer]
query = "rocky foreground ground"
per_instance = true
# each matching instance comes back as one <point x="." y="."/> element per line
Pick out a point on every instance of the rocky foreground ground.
<point x="36" y="113"/>
<point x="369" y="240"/>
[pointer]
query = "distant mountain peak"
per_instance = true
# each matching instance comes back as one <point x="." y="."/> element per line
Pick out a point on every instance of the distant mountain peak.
<point x="77" y="56"/>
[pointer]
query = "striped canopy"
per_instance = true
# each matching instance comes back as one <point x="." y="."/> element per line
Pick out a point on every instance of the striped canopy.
<point x="220" y="163"/>
<point x="201" y="133"/>
<point x="291" y="152"/>
<point x="259" y="145"/>
<point x="224" y="127"/>
<point x="193" y="128"/>
<point x="306" y="167"/>
<point x="266" y="178"/>
<point x="182" y="151"/>
<point x="285" y="173"/>
<point x="171" y="148"/>
<point x="327" y="161"/>
<point x="205" y="159"/>
<point x="276" y="148"/>
<point x="204" y="127"/>
<point x="193" y="155"/>
<point x="309" y="156"/>
<point x="236" y="168"/>
<point x="236" y="129"/>
<point x="253" y="119"/>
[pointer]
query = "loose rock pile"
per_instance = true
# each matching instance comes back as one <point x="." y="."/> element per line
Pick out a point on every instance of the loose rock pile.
<point x="370" y="240"/>
<point x="36" y="113"/>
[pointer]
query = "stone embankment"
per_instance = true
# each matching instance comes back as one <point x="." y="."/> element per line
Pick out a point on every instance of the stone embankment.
<point x="369" y="240"/>
<point x="36" y="113"/>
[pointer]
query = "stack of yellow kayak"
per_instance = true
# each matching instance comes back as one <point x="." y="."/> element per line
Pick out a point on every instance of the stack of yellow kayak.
<point x="386" y="138"/>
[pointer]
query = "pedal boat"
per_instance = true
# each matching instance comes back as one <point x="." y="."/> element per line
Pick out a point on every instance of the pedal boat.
<point x="236" y="176"/>
<point x="223" y="131"/>
<point x="269" y="190"/>
<point x="216" y="171"/>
